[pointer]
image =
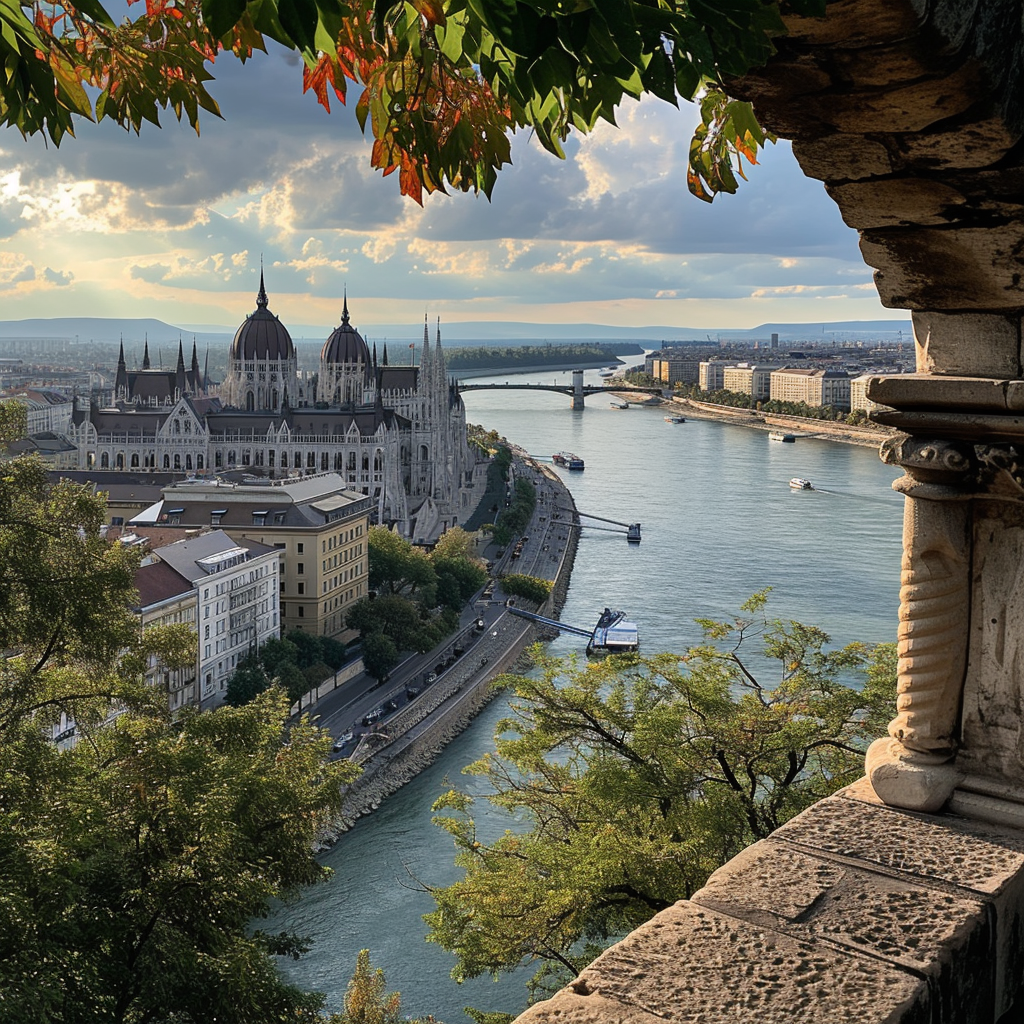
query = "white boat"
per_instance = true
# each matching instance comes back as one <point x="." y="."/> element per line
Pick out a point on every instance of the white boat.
<point x="675" y="419"/>
<point x="778" y="435"/>
<point x="798" y="483"/>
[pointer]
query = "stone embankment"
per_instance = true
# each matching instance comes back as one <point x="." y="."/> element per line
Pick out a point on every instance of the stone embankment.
<point x="867" y="436"/>
<point x="416" y="736"/>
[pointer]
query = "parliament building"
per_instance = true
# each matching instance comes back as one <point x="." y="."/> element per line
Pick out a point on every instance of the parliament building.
<point x="395" y="433"/>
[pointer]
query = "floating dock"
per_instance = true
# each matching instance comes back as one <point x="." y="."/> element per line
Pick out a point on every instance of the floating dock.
<point x="612" y="634"/>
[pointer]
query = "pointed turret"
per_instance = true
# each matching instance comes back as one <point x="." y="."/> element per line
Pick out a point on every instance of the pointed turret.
<point x="206" y="370"/>
<point x="145" y="355"/>
<point x="344" y="307"/>
<point x="121" y="378"/>
<point x="375" y="355"/>
<point x="179" y="371"/>
<point x="194" y="383"/>
<point x="261" y="297"/>
<point x="426" y="360"/>
<point x="385" y="360"/>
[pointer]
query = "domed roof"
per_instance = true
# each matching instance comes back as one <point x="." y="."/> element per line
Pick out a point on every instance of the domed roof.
<point x="262" y="337"/>
<point x="345" y="344"/>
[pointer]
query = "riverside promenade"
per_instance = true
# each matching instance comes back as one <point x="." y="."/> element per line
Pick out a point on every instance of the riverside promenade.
<point x="433" y="711"/>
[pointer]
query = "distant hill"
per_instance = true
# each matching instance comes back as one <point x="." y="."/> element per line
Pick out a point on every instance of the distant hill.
<point x="469" y="332"/>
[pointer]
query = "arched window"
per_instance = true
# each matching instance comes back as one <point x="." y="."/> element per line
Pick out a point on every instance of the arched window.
<point x="378" y="462"/>
<point x="270" y="458"/>
<point x="424" y="453"/>
<point x="352" y="462"/>
<point x="273" y="399"/>
<point x="246" y="456"/>
<point x="324" y="461"/>
<point x="200" y="462"/>
<point x="90" y="460"/>
<point x="167" y="462"/>
<point x="311" y="460"/>
<point x="177" y="461"/>
<point x="218" y="459"/>
<point x="232" y="458"/>
<point x="339" y="461"/>
<point x="134" y="460"/>
<point x="297" y="461"/>
<point x="104" y="461"/>
<point x="188" y="461"/>
<point x="250" y="401"/>
<point x="366" y="463"/>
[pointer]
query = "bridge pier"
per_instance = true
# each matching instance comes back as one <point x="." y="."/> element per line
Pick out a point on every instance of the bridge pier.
<point x="577" y="390"/>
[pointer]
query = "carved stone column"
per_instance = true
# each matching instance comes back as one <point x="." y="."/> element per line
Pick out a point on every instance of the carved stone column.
<point x="958" y="735"/>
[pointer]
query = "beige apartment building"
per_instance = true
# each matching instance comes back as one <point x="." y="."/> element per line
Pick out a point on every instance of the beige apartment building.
<point x="318" y="526"/>
<point x="813" y="387"/>
<point x="674" y="370"/>
<point x="748" y="380"/>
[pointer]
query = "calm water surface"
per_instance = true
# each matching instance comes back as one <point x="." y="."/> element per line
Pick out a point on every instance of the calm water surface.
<point x="719" y="522"/>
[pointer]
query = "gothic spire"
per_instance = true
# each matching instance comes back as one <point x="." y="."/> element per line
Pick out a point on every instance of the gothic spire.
<point x="261" y="298"/>
<point x="145" y="355"/>
<point x="195" y="368"/>
<point x="344" y="307"/>
<point x="121" y="377"/>
<point x="179" y="371"/>
<point x="375" y="355"/>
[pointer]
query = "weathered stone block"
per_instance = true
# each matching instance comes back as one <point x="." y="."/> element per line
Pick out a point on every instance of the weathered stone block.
<point x="896" y="201"/>
<point x="839" y="157"/>
<point x="907" y="108"/>
<point x="693" y="965"/>
<point x="857" y="23"/>
<point x="968" y="345"/>
<point x="925" y="391"/>
<point x="948" y="268"/>
<point x="978" y="142"/>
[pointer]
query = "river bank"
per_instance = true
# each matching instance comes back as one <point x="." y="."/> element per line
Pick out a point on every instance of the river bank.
<point x="844" y="433"/>
<point x="420" y="731"/>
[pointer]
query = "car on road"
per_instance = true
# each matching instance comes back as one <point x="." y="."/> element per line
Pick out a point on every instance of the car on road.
<point x="431" y="677"/>
<point x="391" y="705"/>
<point x="373" y="716"/>
<point x="480" y="625"/>
<point x="412" y="691"/>
<point x="342" y="740"/>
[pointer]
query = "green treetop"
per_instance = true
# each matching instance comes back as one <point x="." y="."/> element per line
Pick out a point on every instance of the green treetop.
<point x="637" y="777"/>
<point x="443" y="83"/>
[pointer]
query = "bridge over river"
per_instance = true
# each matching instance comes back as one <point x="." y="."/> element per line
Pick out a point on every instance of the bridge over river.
<point x="577" y="389"/>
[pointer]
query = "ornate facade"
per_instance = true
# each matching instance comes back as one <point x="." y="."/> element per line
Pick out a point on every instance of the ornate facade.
<point x="396" y="433"/>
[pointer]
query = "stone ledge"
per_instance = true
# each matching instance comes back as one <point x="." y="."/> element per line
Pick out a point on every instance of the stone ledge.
<point x="853" y="911"/>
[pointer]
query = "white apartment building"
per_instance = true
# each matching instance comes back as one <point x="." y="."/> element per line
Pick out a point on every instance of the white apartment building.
<point x="237" y="587"/>
<point x="711" y="375"/>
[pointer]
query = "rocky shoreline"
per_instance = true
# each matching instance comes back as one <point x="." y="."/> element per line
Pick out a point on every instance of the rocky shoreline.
<point x="467" y="691"/>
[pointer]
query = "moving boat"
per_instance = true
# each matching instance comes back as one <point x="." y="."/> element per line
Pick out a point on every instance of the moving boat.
<point x="778" y="435"/>
<point x="624" y="405"/>
<point x="798" y="483"/>
<point x="675" y="419"/>
<point x="568" y="460"/>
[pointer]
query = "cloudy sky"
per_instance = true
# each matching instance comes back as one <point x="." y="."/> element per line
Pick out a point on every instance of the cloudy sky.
<point x="173" y="226"/>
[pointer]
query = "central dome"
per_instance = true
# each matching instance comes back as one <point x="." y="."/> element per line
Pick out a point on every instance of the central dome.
<point x="262" y="338"/>
<point x="345" y="344"/>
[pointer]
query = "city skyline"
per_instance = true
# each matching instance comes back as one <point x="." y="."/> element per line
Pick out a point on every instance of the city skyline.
<point x="174" y="227"/>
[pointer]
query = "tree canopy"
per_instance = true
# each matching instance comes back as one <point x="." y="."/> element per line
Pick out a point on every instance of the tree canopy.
<point x="636" y="777"/>
<point x="443" y="83"/>
<point x="133" y="860"/>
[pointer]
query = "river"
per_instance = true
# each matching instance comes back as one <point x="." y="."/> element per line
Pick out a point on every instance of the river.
<point x="719" y="522"/>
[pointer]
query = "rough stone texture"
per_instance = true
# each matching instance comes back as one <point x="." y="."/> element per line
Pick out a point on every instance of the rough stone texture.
<point x="992" y="733"/>
<point x="851" y="912"/>
<point x="896" y="202"/>
<point x="968" y="345"/>
<point x="838" y="157"/>
<point x="973" y="269"/>
<point x="924" y="391"/>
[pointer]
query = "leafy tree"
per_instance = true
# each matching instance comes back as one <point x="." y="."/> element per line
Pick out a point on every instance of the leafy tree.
<point x="309" y="647"/>
<point x="397" y="567"/>
<point x="380" y="655"/>
<point x="396" y="616"/>
<point x="443" y="84"/>
<point x="276" y="652"/>
<point x="458" y="579"/>
<point x="531" y="587"/>
<point x="367" y="1000"/>
<point x="639" y="776"/>
<point x="292" y="680"/>
<point x="132" y="862"/>
<point x="247" y="682"/>
<point x="333" y="652"/>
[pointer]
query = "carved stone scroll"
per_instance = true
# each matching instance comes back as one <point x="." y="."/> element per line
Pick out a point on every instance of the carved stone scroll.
<point x="913" y="768"/>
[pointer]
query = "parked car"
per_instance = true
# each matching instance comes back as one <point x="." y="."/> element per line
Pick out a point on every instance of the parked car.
<point x="342" y="740"/>
<point x="412" y="691"/>
<point x="431" y="676"/>
<point x="391" y="705"/>
<point x="480" y="625"/>
<point x="373" y="716"/>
